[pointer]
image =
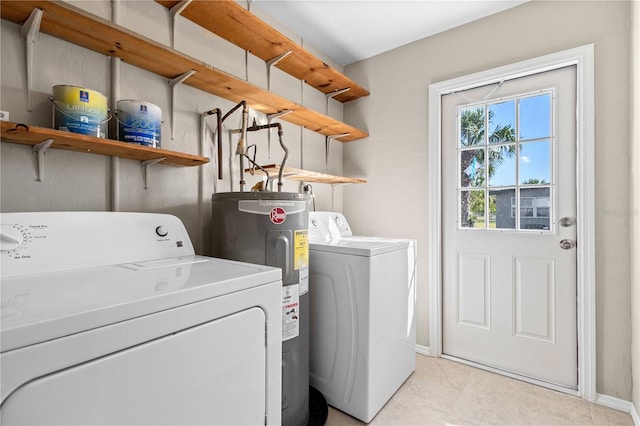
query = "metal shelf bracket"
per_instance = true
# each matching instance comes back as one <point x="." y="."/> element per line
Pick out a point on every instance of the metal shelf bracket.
<point x="327" y="146"/>
<point x="270" y="117"/>
<point x="175" y="11"/>
<point x="334" y="94"/>
<point x="145" y="168"/>
<point x="29" y="32"/>
<point x="174" y="83"/>
<point x="272" y="62"/>
<point x="41" y="149"/>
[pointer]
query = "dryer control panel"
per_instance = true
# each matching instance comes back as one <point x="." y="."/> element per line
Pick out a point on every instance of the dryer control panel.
<point x="327" y="226"/>
<point x="42" y="242"/>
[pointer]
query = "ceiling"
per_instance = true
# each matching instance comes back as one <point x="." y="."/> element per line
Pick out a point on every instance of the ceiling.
<point x="352" y="30"/>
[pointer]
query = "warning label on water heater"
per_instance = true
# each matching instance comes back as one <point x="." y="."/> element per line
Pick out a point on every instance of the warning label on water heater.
<point x="301" y="249"/>
<point x="290" y="311"/>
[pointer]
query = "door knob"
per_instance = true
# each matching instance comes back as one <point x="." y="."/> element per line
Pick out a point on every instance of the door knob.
<point x="567" y="221"/>
<point x="567" y="244"/>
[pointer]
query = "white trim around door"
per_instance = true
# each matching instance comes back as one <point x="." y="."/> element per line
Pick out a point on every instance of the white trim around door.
<point x="583" y="58"/>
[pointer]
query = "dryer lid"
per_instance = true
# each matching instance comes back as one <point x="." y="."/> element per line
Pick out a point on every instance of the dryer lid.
<point x="360" y="246"/>
<point x="42" y="307"/>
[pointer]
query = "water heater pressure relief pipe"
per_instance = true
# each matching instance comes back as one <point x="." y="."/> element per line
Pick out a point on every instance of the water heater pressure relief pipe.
<point x="241" y="149"/>
<point x="284" y="147"/>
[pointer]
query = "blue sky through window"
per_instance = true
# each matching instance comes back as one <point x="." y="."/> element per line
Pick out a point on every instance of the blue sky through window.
<point x="502" y="114"/>
<point x="534" y="157"/>
<point x="535" y="117"/>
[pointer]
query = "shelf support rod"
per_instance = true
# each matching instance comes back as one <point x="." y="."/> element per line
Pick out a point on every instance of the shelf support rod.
<point x="333" y="197"/>
<point x="271" y="117"/>
<point x="145" y="169"/>
<point x="174" y="83"/>
<point x="40" y="149"/>
<point x="327" y="146"/>
<point x="175" y="11"/>
<point x="332" y="95"/>
<point x="29" y="32"/>
<point x="272" y="62"/>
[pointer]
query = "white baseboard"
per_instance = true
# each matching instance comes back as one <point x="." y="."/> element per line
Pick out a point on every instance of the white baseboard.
<point x="634" y="415"/>
<point x="620" y="405"/>
<point x="423" y="350"/>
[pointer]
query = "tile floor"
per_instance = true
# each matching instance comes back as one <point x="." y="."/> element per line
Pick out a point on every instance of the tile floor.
<point x="442" y="392"/>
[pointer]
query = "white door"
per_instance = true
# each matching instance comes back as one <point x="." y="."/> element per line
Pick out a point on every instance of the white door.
<point x="508" y="226"/>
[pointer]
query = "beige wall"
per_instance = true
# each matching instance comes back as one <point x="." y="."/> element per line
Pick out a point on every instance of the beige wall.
<point x="75" y="181"/>
<point x="394" y="157"/>
<point x="635" y="203"/>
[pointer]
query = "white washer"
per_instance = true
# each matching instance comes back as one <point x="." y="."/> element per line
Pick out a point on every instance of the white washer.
<point x="362" y="324"/>
<point x="110" y="318"/>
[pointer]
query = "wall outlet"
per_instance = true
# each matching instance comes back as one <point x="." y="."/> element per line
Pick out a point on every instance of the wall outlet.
<point x="4" y="115"/>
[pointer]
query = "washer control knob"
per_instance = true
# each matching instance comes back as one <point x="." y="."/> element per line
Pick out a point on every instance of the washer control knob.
<point x="10" y="238"/>
<point x="162" y="231"/>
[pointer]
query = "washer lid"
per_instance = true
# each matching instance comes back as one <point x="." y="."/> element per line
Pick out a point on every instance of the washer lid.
<point x="38" y="308"/>
<point x="360" y="246"/>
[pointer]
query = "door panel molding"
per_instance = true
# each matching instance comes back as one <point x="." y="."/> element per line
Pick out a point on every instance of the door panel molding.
<point x="474" y="300"/>
<point x="583" y="58"/>
<point x="526" y="290"/>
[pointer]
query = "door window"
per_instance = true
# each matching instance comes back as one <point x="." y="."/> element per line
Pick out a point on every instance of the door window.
<point x="505" y="158"/>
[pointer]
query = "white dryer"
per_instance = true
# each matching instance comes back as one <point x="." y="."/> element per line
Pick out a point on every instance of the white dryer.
<point x="110" y="318"/>
<point x="362" y="324"/>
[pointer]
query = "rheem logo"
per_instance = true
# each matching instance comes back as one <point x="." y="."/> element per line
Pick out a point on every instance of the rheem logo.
<point x="277" y="215"/>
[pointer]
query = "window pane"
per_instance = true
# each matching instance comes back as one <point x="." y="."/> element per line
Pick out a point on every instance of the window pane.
<point x="472" y="211"/>
<point x="472" y="126"/>
<point x="535" y="208"/>
<point x="472" y="168"/>
<point x="535" y="117"/>
<point x="535" y="163"/>
<point x="502" y="201"/>
<point x="502" y="122"/>
<point x="502" y="165"/>
<point x="492" y="209"/>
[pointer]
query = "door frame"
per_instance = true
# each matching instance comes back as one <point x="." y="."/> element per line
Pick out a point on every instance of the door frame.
<point x="583" y="58"/>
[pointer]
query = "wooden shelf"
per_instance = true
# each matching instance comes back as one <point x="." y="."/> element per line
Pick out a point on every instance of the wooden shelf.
<point x="234" y="23"/>
<point x="14" y="133"/>
<point x="306" y="176"/>
<point x="74" y="25"/>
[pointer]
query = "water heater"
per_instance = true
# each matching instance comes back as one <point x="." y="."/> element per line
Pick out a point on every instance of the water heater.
<point x="271" y="228"/>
